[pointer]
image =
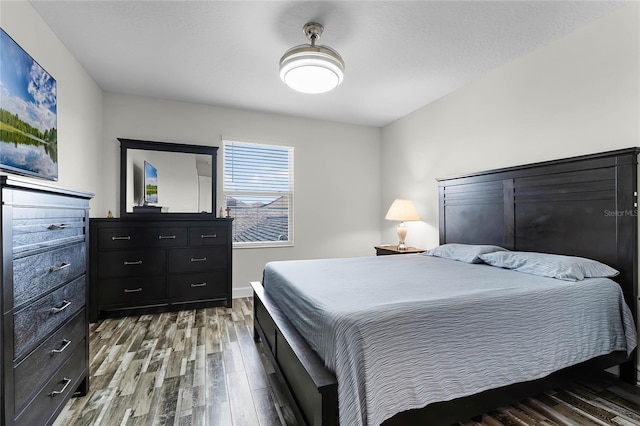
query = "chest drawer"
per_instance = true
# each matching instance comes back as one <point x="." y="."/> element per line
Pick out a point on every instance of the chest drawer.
<point x="55" y="392"/>
<point x="34" y="370"/>
<point x="197" y="259"/>
<point x="127" y="263"/>
<point x="32" y="323"/>
<point x="198" y="287"/>
<point x="35" y="228"/>
<point x="130" y="237"/>
<point x="37" y="274"/>
<point x="149" y="290"/>
<point x="207" y="236"/>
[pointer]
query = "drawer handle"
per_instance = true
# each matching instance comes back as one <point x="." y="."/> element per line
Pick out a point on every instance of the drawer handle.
<point x="126" y="237"/>
<point x="65" y="305"/>
<point x="133" y="290"/>
<point x="64" y="388"/>
<point x="202" y="259"/>
<point x="209" y="236"/>
<point x="65" y="346"/>
<point x="64" y="265"/>
<point x="133" y="262"/>
<point x="198" y="285"/>
<point x="166" y="237"/>
<point x="54" y="227"/>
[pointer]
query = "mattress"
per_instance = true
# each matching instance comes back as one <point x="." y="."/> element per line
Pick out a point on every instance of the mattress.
<point x="401" y="332"/>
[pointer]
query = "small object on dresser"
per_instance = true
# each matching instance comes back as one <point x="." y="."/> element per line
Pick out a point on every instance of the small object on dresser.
<point x="109" y="215"/>
<point x="228" y="211"/>
<point x="221" y="213"/>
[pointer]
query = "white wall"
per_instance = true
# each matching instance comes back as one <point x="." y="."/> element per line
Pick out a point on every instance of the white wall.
<point x="79" y="98"/>
<point x="578" y="95"/>
<point x="337" y="172"/>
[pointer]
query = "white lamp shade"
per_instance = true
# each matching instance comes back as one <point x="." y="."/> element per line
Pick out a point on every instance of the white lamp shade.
<point x="402" y="210"/>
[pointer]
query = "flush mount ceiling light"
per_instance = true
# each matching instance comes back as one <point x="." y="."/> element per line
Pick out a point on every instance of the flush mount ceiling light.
<point x="308" y="68"/>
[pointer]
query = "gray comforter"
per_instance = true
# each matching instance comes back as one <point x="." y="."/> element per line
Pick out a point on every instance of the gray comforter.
<point x="400" y="332"/>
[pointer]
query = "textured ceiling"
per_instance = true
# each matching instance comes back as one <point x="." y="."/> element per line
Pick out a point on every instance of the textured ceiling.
<point x="399" y="55"/>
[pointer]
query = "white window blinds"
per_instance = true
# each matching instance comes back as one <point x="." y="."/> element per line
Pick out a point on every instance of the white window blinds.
<point x="258" y="188"/>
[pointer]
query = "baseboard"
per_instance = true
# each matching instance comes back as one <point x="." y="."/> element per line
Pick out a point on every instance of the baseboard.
<point x="241" y="292"/>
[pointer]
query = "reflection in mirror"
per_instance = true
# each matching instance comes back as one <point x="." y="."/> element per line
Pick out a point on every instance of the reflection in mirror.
<point x="184" y="181"/>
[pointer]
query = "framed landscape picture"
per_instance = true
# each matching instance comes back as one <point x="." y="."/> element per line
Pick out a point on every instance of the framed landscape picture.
<point x="28" y="114"/>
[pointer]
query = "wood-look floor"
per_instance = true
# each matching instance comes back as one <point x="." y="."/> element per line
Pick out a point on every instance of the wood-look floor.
<point x="202" y="367"/>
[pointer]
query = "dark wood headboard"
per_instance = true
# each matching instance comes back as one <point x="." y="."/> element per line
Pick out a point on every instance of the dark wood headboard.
<point x="580" y="206"/>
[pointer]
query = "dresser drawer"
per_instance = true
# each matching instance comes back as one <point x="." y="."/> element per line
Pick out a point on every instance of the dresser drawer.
<point x="197" y="259"/>
<point x="56" y="391"/>
<point x="208" y="236"/>
<point x="37" y="274"/>
<point x="127" y="263"/>
<point x="120" y="238"/>
<point x="137" y="291"/>
<point x="35" y="228"/>
<point x="19" y="197"/>
<point x="131" y="237"/>
<point x="32" y="323"/>
<point x="198" y="287"/>
<point x="36" y="369"/>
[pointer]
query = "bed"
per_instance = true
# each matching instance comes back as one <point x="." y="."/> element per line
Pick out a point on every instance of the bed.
<point x="582" y="206"/>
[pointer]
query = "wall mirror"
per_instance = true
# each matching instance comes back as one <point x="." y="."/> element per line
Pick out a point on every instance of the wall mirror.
<point x="162" y="177"/>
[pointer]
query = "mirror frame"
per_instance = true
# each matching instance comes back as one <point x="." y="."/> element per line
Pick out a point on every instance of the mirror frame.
<point x="127" y="144"/>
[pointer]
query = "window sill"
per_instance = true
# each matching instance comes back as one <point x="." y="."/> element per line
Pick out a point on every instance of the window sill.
<point x="262" y="245"/>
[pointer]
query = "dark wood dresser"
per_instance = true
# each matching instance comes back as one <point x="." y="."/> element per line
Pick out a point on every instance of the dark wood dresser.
<point x="45" y="341"/>
<point x="153" y="260"/>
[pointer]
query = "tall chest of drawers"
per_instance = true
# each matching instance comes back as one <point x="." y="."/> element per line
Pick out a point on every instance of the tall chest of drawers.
<point x="151" y="261"/>
<point x="45" y="344"/>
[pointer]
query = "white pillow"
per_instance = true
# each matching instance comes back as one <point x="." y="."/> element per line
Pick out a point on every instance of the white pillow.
<point x="468" y="253"/>
<point x="568" y="268"/>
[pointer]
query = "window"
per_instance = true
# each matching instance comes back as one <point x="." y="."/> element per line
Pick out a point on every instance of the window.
<point x="258" y="188"/>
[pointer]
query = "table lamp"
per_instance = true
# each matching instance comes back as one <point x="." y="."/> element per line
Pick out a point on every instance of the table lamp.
<point x="402" y="210"/>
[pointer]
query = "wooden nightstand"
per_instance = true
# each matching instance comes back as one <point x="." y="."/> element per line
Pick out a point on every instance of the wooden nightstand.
<point x="386" y="250"/>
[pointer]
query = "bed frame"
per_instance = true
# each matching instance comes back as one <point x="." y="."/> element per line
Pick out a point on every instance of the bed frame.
<point x="582" y="206"/>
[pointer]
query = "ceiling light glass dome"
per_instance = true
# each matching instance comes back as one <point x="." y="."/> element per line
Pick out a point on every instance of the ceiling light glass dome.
<point x="308" y="68"/>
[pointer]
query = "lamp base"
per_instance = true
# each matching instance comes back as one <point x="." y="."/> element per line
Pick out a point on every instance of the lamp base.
<point x="402" y="235"/>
